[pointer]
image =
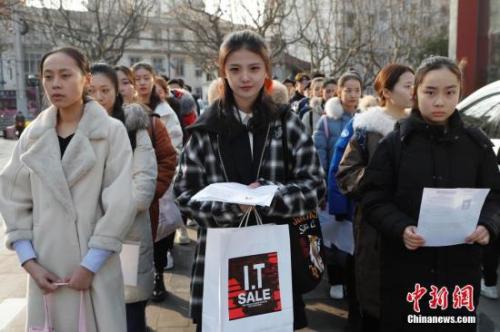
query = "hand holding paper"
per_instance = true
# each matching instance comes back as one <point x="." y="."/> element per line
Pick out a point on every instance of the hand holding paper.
<point x="450" y="216"/>
<point x="411" y="239"/>
<point x="243" y="207"/>
<point x="480" y="235"/>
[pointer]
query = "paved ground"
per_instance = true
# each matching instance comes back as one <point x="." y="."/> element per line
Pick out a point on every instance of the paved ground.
<point x="324" y="314"/>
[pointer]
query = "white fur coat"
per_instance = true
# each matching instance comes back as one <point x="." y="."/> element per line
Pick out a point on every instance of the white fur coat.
<point x="66" y="205"/>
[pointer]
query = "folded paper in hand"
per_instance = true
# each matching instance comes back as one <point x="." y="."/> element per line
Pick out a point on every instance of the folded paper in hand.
<point x="237" y="193"/>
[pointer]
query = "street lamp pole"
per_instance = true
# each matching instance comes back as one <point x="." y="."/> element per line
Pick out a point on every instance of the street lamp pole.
<point x="2" y="82"/>
<point x="21" y="100"/>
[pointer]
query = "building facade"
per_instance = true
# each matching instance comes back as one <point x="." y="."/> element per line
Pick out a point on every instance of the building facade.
<point x="475" y="40"/>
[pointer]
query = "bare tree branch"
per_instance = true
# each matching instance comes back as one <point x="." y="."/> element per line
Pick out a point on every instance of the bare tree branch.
<point x="207" y="30"/>
<point x="103" y="30"/>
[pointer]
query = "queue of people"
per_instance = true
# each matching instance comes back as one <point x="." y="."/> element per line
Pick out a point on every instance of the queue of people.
<point x="118" y="144"/>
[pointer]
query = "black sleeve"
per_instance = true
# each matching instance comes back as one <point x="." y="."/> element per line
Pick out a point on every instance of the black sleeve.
<point x="378" y="187"/>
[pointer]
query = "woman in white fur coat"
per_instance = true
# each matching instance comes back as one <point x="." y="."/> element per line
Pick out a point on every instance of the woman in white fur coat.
<point x="145" y="86"/>
<point x="67" y="202"/>
<point x="104" y="89"/>
<point x="339" y="111"/>
<point x="394" y="85"/>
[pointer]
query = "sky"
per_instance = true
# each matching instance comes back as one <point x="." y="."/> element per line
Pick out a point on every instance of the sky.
<point x="233" y="9"/>
<point x="69" y="4"/>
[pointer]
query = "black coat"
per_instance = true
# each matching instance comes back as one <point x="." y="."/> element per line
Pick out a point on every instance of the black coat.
<point x="414" y="156"/>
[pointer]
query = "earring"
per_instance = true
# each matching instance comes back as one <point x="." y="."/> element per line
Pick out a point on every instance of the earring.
<point x="268" y="84"/>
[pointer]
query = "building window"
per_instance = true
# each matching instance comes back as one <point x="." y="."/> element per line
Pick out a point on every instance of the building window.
<point x="11" y="69"/>
<point x="427" y="20"/>
<point x="384" y="15"/>
<point x="371" y="19"/>
<point x="179" y="67"/>
<point x="32" y="62"/>
<point x="198" y="72"/>
<point x="351" y="19"/>
<point x="158" y="65"/>
<point x="199" y="92"/>
<point x="134" y="60"/>
<point x="157" y="36"/>
<point x="178" y="35"/>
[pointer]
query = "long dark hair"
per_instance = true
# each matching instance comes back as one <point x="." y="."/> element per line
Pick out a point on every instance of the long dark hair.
<point x="350" y="75"/>
<point x="117" y="112"/>
<point x="110" y="73"/>
<point x="433" y="63"/>
<point x="264" y="109"/>
<point x="388" y="77"/>
<point x="154" y="100"/>
<point x="127" y="72"/>
<point x="81" y="61"/>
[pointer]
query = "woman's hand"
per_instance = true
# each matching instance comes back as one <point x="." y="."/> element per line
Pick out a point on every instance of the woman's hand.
<point x="244" y="208"/>
<point x="43" y="278"/>
<point x="411" y="239"/>
<point x="480" y="235"/>
<point x="81" y="279"/>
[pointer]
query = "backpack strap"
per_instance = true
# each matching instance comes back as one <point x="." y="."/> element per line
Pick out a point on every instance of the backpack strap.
<point x="152" y="134"/>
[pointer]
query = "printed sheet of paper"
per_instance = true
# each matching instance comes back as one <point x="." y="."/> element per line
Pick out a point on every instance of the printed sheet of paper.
<point x="129" y="258"/>
<point x="232" y="192"/>
<point x="338" y="233"/>
<point x="448" y="216"/>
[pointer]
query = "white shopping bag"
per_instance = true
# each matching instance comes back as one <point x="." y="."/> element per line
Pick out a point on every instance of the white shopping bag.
<point x="248" y="280"/>
<point x="129" y="259"/>
<point x="338" y="233"/>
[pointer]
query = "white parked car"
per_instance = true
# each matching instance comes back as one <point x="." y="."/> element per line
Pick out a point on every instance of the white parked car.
<point x="482" y="109"/>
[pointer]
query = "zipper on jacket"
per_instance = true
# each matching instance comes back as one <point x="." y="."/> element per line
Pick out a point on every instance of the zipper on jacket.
<point x="220" y="157"/>
<point x="263" y="151"/>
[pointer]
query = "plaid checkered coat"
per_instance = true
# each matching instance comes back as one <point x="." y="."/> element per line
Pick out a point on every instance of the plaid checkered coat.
<point x="202" y="163"/>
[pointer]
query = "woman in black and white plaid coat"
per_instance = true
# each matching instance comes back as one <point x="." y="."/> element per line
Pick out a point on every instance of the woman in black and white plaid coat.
<point x="239" y="139"/>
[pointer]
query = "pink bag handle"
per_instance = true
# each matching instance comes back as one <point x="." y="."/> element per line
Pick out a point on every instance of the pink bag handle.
<point x="82" y="316"/>
<point x="48" y="319"/>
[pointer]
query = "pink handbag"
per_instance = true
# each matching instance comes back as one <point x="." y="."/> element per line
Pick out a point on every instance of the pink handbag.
<point x="82" y="316"/>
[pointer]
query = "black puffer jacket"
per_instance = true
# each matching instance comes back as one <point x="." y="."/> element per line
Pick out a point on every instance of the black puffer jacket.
<point x="414" y="156"/>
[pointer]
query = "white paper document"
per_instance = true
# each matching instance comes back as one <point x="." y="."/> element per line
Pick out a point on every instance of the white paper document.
<point x="338" y="233"/>
<point x="448" y="216"/>
<point x="129" y="258"/>
<point x="232" y="192"/>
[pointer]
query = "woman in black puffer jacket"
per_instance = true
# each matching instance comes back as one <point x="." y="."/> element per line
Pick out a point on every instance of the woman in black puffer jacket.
<point x="431" y="148"/>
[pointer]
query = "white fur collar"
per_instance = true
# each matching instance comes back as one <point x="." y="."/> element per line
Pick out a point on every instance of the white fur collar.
<point x="136" y="117"/>
<point x="374" y="120"/>
<point x="93" y="123"/>
<point x="43" y="155"/>
<point x="333" y="108"/>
